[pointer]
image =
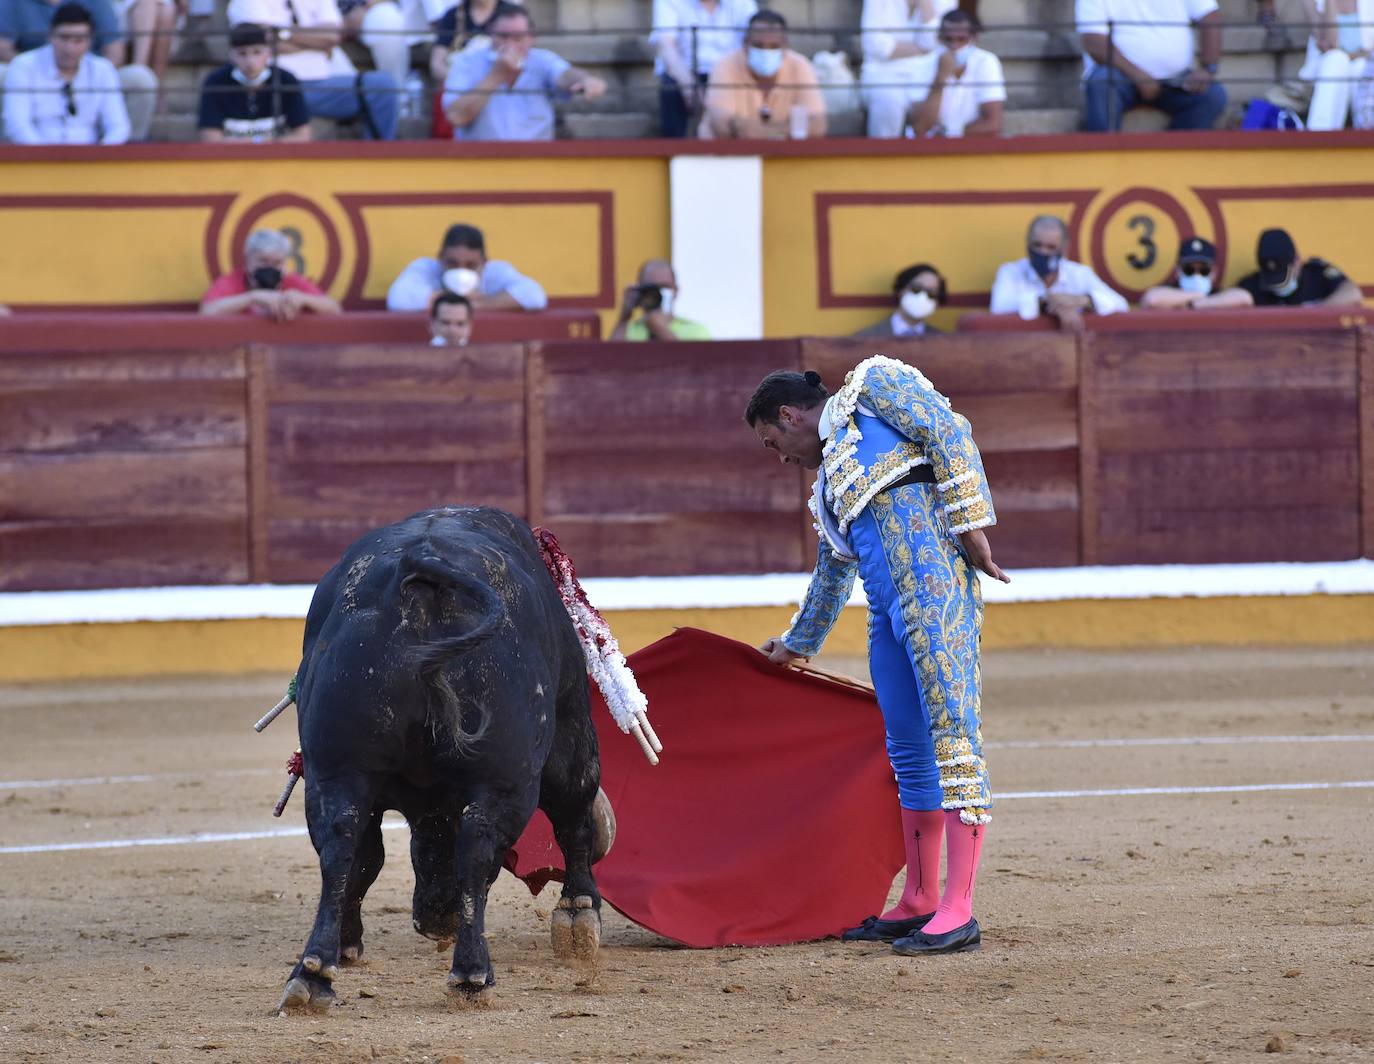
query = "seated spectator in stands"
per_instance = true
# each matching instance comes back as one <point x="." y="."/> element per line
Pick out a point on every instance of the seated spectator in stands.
<point x="1149" y="61"/>
<point x="25" y="27"/>
<point x="381" y="26"/>
<point x="450" y="320"/>
<point x="964" y="97"/>
<point x="689" y="38"/>
<point x="754" y="90"/>
<point x="1362" y="106"/>
<point x="1286" y="280"/>
<point x="506" y="92"/>
<point x="1194" y="277"/>
<point x="456" y="27"/>
<point x="1337" y="57"/>
<point x="462" y="267"/>
<point x="251" y="100"/>
<point x="263" y="287"/>
<point x="1045" y="282"/>
<point x="308" y="33"/>
<point x="654" y="295"/>
<point x="899" y="39"/>
<point x="918" y="292"/>
<point x="61" y="94"/>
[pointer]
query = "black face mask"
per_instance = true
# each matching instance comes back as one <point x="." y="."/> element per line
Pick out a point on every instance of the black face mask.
<point x="266" y="277"/>
<point x="1042" y="264"/>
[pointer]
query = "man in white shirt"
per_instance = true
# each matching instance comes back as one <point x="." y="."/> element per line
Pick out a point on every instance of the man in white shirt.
<point x="899" y="43"/>
<point x="1046" y="282"/>
<point x="308" y="35"/>
<point x="966" y="95"/>
<point x="1147" y="60"/>
<point x="60" y="93"/>
<point x="688" y="38"/>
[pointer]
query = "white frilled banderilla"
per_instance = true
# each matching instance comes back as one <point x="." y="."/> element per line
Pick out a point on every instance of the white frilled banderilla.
<point x="605" y="663"/>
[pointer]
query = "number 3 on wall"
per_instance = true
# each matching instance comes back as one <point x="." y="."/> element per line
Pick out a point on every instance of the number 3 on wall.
<point x="1145" y="225"/>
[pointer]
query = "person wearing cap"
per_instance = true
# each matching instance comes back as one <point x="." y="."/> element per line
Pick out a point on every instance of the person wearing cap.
<point x="1194" y="277"/>
<point x="918" y="291"/>
<point x="250" y="100"/>
<point x="462" y="267"/>
<point x="1286" y="280"/>
<point x="1045" y="282"/>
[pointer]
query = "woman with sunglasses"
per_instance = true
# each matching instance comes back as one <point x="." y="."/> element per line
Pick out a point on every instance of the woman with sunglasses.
<point x="1194" y="277"/>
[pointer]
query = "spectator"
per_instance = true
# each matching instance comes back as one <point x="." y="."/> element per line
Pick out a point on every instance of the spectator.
<point x="1194" y="277"/>
<point x="689" y="38"/>
<point x="24" y="27"/>
<point x="1362" y="107"/>
<point x="308" y="32"/>
<point x="381" y="27"/>
<point x="754" y="90"/>
<point x="456" y="27"/>
<point x="150" y="25"/>
<point x="506" y="92"/>
<point x="655" y="297"/>
<point x="964" y="97"/>
<point x="1285" y="280"/>
<point x="462" y="267"/>
<point x="251" y="100"/>
<point x="263" y="287"/>
<point x="1337" y="57"/>
<point x="61" y="94"/>
<point x="899" y="43"/>
<point x="918" y="292"/>
<point x="1046" y="282"/>
<point x="450" y="320"/>
<point x="1149" y="61"/>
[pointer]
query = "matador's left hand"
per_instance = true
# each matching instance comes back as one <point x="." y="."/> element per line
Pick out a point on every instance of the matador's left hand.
<point x="980" y="554"/>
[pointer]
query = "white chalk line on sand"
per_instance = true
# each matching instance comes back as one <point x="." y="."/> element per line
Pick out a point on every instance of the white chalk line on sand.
<point x="1021" y="744"/>
<point x="282" y="833"/>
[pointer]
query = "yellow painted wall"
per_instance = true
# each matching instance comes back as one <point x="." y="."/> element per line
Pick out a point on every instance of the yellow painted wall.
<point x="907" y="209"/>
<point x="87" y="651"/>
<point x="99" y="233"/>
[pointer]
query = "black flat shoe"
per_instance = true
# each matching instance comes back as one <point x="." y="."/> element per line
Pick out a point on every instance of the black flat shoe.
<point x="874" y="929"/>
<point x="961" y="940"/>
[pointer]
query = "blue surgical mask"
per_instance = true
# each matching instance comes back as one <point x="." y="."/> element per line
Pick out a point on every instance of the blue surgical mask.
<point x="765" y="62"/>
<point x="1043" y="264"/>
<point x="1198" y="284"/>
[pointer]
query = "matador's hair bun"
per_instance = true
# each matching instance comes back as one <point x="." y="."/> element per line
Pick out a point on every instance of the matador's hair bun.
<point x="812" y="378"/>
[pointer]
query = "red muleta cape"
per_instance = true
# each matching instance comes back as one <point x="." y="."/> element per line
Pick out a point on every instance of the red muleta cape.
<point x="772" y="817"/>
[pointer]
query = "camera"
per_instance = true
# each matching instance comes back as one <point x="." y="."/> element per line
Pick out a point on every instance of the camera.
<point x="650" y="296"/>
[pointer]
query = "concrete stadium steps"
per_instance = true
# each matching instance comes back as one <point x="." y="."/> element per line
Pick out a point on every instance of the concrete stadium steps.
<point x="1034" y="38"/>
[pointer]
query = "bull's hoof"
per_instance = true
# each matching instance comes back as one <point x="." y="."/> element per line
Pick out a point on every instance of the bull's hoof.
<point x="437" y="929"/>
<point x="469" y="985"/>
<point x="603" y="823"/>
<point x="311" y="963"/>
<point x="305" y="992"/>
<point x="351" y="955"/>
<point x="576" y="928"/>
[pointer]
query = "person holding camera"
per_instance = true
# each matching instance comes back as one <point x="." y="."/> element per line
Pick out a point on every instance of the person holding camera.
<point x="654" y="296"/>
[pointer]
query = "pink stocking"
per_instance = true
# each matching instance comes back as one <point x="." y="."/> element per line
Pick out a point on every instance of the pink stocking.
<point x="956" y="904"/>
<point x="922" y="831"/>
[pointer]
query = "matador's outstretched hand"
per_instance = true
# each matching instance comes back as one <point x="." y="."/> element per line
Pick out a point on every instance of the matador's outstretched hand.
<point x="980" y="554"/>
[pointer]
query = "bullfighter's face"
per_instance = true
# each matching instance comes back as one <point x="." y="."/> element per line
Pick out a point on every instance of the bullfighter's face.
<point x="795" y="438"/>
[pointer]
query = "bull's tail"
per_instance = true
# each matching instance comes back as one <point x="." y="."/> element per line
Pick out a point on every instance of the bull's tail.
<point x="432" y="657"/>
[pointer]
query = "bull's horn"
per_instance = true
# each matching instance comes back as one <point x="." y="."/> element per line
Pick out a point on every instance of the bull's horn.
<point x="273" y="713"/>
<point x="649" y="732"/>
<point x="644" y="743"/>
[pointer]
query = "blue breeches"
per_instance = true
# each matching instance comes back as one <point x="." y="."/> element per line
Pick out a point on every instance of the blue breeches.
<point x="925" y="619"/>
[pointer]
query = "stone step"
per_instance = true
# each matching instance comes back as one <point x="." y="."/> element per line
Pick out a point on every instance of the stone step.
<point x="1040" y="120"/>
<point x="618" y="125"/>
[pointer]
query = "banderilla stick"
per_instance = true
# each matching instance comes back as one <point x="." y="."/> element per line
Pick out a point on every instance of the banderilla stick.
<point x="273" y="713"/>
<point x="291" y="781"/>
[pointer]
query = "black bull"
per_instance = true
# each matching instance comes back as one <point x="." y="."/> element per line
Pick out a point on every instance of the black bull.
<point x="441" y="677"/>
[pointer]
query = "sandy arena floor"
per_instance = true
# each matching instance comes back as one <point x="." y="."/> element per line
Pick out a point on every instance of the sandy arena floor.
<point x="1130" y="926"/>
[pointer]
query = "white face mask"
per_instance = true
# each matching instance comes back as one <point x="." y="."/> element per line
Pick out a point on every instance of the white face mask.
<point x="1196" y="283"/>
<point x="918" y="305"/>
<point x="239" y="76"/>
<point x="460" y="280"/>
<point x="765" y="62"/>
<point x="961" y="55"/>
<point x="666" y="295"/>
<point x="1288" y="287"/>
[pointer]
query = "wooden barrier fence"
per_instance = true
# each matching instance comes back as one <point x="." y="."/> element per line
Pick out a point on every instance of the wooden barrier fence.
<point x="261" y="462"/>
